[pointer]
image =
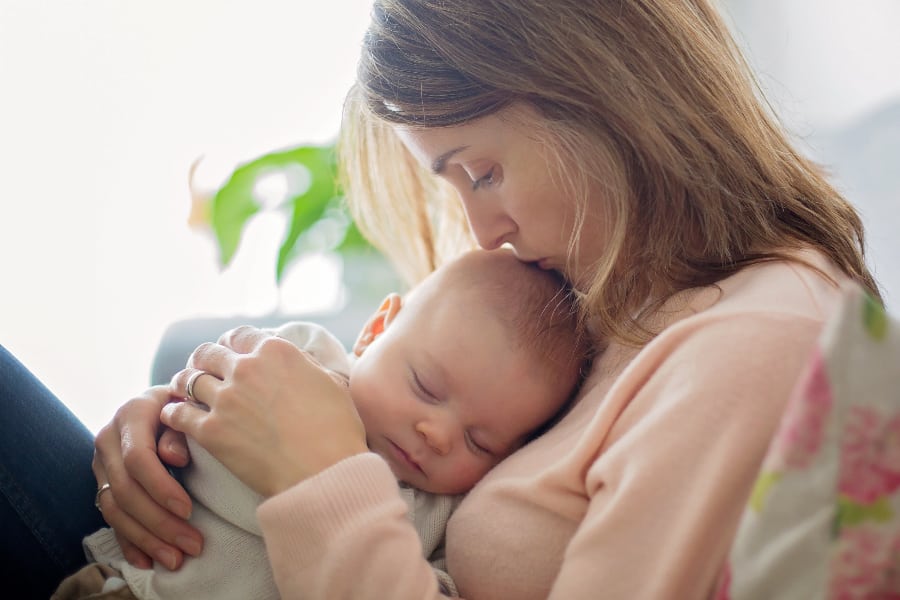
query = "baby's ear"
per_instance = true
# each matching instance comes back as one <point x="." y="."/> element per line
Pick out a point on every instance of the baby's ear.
<point x="377" y="323"/>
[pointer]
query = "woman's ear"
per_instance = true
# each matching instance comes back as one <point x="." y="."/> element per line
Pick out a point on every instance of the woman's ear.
<point x="377" y="323"/>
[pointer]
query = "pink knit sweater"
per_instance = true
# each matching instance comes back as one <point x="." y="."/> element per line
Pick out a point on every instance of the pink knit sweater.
<point x="634" y="494"/>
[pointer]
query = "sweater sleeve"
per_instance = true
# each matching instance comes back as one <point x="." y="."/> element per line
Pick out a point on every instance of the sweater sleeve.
<point x="344" y="534"/>
<point x="668" y="485"/>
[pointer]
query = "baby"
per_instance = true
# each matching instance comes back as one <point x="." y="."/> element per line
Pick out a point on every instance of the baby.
<point x="447" y="381"/>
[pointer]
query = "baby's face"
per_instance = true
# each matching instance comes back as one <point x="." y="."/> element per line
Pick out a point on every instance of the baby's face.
<point x="444" y="394"/>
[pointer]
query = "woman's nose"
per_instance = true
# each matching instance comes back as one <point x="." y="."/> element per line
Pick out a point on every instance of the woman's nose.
<point x="435" y="435"/>
<point x="490" y="225"/>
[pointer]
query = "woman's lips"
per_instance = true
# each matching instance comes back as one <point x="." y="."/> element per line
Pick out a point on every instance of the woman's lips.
<point x="405" y="458"/>
<point x="543" y="263"/>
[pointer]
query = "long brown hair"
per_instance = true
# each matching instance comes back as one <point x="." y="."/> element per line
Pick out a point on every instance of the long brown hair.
<point x="647" y="100"/>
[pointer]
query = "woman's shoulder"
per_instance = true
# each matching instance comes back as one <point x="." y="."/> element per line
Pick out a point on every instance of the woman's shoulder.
<point x="774" y="295"/>
<point x="769" y="310"/>
<point x="806" y="286"/>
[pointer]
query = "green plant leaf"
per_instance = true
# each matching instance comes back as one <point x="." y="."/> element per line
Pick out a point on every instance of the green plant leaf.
<point x="234" y="203"/>
<point x="231" y="207"/>
<point x="353" y="240"/>
<point x="309" y="206"/>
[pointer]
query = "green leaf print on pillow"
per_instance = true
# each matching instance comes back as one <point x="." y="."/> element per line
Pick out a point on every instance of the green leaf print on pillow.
<point x="875" y="318"/>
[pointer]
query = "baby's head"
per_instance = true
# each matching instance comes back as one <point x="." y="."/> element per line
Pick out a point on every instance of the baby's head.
<point x="457" y="375"/>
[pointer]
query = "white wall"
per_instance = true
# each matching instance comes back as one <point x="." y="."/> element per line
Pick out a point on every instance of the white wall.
<point x="824" y="62"/>
<point x="832" y="69"/>
<point x="105" y="103"/>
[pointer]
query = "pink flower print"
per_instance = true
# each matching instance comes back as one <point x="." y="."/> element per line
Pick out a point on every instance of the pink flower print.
<point x="870" y="455"/>
<point x="803" y="425"/>
<point x="866" y="565"/>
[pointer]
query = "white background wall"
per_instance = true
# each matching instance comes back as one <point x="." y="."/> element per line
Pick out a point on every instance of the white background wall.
<point x="104" y="104"/>
<point x="832" y="68"/>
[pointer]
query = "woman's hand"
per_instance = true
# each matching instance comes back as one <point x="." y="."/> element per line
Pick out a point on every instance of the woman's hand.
<point x="274" y="417"/>
<point x="144" y="504"/>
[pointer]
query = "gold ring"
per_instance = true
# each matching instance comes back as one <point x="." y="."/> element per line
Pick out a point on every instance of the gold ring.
<point x="189" y="388"/>
<point x="102" y="489"/>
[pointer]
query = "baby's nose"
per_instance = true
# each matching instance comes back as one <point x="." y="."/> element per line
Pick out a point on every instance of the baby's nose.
<point x="435" y="436"/>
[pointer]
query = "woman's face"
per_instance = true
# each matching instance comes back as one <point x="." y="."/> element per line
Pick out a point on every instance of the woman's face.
<point x="503" y="177"/>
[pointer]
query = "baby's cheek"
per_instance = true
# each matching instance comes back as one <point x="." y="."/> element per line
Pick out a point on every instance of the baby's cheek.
<point x="469" y="472"/>
<point x="362" y="396"/>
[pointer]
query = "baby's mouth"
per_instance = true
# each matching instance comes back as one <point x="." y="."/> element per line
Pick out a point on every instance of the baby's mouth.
<point x="405" y="458"/>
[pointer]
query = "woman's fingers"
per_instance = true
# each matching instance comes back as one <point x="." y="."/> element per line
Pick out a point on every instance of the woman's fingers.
<point x="172" y="448"/>
<point x="218" y="358"/>
<point x="184" y="416"/>
<point x="139" y="544"/>
<point x="266" y="410"/>
<point x="105" y="504"/>
<point x="158" y="529"/>
<point x="244" y="339"/>
<point x="145" y="505"/>
<point x="197" y="386"/>
<point x="138" y="455"/>
<point x="133" y="554"/>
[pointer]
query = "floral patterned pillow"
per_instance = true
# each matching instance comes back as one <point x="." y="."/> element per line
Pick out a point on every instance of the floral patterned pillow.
<point x="824" y="517"/>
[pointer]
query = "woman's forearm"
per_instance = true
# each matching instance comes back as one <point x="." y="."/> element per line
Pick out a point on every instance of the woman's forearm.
<point x="344" y="533"/>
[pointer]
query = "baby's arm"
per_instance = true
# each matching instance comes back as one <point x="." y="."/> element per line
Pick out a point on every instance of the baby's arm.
<point x="319" y="343"/>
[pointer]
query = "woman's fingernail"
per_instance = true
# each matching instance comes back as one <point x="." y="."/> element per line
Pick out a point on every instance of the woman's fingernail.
<point x="167" y="557"/>
<point x="179" y="508"/>
<point x="188" y="544"/>
<point x="178" y="449"/>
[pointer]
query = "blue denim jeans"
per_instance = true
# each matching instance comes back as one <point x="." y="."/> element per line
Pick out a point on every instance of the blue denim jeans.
<point x="46" y="484"/>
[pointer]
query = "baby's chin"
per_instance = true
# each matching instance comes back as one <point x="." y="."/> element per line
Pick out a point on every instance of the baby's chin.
<point x="443" y="489"/>
<point x="422" y="482"/>
<point x="404" y="478"/>
<point x="431" y="487"/>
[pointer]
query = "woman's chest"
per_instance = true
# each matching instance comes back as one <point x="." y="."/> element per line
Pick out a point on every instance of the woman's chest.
<point x="508" y="538"/>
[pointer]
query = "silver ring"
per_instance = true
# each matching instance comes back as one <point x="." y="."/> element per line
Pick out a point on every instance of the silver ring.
<point x="189" y="388"/>
<point x="102" y="489"/>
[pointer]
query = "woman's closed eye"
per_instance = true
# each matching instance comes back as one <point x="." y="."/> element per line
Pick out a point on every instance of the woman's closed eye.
<point x="490" y="178"/>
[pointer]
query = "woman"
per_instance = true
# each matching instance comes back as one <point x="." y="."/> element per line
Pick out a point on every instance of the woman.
<point x="622" y="144"/>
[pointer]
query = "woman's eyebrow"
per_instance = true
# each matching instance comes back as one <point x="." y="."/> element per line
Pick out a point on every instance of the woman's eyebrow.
<point x="437" y="167"/>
